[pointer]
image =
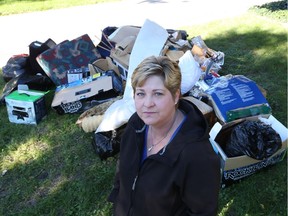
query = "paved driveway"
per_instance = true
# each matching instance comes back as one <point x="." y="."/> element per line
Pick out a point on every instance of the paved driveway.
<point x="18" y="31"/>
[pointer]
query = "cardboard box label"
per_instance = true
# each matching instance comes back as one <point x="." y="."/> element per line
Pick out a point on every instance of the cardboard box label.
<point x="77" y="74"/>
<point x="239" y="173"/>
<point x="72" y="107"/>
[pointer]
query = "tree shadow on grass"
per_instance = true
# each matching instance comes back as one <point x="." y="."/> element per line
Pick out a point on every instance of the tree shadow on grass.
<point x="263" y="193"/>
<point x="62" y="176"/>
<point x="260" y="55"/>
<point x="274" y="6"/>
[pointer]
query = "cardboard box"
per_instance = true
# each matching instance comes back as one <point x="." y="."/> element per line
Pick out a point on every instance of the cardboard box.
<point x="123" y="32"/>
<point x="174" y="55"/>
<point x="236" y="168"/>
<point x="121" y="55"/>
<point x="237" y="97"/>
<point x="122" y="70"/>
<point x="26" y="106"/>
<point x="102" y="65"/>
<point x="77" y="74"/>
<point x="70" y="98"/>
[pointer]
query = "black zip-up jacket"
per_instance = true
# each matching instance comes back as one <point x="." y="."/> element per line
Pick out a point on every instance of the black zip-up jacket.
<point x="183" y="179"/>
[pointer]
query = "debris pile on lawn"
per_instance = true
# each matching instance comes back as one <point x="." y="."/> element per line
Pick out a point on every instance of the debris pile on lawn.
<point x="94" y="81"/>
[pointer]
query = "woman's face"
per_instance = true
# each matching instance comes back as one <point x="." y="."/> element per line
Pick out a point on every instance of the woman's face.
<point x="154" y="102"/>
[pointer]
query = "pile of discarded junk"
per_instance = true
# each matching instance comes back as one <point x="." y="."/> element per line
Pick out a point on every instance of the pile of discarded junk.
<point x="93" y="80"/>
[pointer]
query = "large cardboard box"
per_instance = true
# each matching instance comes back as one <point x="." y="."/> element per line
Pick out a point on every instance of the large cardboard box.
<point x="237" y="97"/>
<point x="26" y="106"/>
<point x="236" y="168"/>
<point x="70" y="98"/>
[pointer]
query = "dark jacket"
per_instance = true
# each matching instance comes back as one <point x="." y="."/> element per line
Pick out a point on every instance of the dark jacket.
<point x="182" y="180"/>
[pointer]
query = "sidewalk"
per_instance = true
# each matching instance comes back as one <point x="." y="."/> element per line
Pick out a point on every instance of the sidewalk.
<point x="18" y="31"/>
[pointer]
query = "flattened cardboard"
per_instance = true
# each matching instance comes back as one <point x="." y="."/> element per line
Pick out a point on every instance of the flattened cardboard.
<point x="122" y="32"/>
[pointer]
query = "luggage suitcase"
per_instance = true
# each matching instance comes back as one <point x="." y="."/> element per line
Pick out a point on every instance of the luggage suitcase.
<point x="67" y="55"/>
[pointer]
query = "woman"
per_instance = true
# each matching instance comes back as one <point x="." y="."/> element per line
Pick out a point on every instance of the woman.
<point x="167" y="165"/>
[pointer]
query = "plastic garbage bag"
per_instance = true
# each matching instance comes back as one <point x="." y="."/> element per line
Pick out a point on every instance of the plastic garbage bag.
<point x="35" y="82"/>
<point x="107" y="144"/>
<point x="15" y="66"/>
<point x="253" y="138"/>
<point x="35" y="49"/>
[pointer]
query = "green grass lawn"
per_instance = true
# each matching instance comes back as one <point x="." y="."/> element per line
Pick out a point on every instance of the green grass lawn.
<point x="51" y="169"/>
<point x="8" y="7"/>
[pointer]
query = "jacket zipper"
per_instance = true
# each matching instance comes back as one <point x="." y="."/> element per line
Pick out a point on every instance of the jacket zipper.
<point x="130" y="211"/>
<point x="134" y="183"/>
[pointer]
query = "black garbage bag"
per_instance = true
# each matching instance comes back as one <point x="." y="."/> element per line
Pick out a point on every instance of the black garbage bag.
<point x="15" y="66"/>
<point x="253" y="138"/>
<point x="35" y="82"/>
<point x="107" y="144"/>
<point x="35" y="49"/>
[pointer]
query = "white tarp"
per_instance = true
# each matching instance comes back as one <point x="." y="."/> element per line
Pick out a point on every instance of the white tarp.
<point x="150" y="41"/>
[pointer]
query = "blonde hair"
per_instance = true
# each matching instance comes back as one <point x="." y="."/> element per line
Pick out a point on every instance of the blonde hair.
<point x="161" y="66"/>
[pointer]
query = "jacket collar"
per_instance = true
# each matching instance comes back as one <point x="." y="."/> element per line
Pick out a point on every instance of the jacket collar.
<point x="194" y="129"/>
